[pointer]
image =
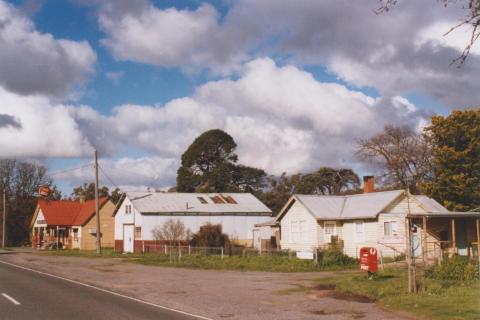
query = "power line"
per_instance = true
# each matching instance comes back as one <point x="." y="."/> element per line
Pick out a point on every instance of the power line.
<point x="108" y="178"/>
<point x="68" y="170"/>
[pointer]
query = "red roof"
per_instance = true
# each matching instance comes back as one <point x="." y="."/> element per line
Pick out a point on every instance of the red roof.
<point x="68" y="212"/>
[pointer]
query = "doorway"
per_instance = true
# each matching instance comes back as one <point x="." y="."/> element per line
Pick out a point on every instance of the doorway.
<point x="128" y="238"/>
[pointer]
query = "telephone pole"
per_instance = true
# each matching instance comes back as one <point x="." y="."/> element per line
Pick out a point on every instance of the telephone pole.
<point x="4" y="217"/>
<point x="97" y="213"/>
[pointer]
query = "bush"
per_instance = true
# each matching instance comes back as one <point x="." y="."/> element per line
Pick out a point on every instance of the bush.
<point x="210" y="235"/>
<point x="456" y="268"/>
<point x="334" y="256"/>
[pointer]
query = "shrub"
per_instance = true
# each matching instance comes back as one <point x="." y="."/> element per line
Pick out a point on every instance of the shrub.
<point x="210" y="235"/>
<point x="455" y="268"/>
<point x="334" y="255"/>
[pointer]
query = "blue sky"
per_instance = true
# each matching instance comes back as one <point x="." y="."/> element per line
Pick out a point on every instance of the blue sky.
<point x="294" y="84"/>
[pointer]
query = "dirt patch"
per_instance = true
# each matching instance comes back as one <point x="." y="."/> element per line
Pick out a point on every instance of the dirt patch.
<point x="325" y="287"/>
<point x="351" y="297"/>
<point x="328" y="290"/>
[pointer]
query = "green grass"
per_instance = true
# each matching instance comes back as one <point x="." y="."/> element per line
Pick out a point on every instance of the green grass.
<point x="248" y="263"/>
<point x="442" y="299"/>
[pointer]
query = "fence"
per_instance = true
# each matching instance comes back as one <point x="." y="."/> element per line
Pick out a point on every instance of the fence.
<point x="184" y="250"/>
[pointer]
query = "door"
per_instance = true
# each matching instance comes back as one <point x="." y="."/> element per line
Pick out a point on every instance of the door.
<point x="461" y="237"/>
<point x="416" y="241"/>
<point x="128" y="237"/>
<point x="257" y="240"/>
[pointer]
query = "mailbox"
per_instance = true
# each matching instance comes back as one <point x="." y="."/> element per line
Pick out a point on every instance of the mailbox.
<point x="368" y="259"/>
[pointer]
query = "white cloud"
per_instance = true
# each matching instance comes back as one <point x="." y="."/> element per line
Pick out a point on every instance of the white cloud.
<point x="168" y="37"/>
<point x="281" y="117"/>
<point x="37" y="63"/>
<point x="47" y="129"/>
<point x="398" y="52"/>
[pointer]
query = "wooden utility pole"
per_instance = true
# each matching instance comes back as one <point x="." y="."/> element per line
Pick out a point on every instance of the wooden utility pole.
<point x="4" y="217"/>
<point x="97" y="213"/>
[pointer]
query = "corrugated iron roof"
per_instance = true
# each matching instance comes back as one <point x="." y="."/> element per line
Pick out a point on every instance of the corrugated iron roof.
<point x="431" y="205"/>
<point x="67" y="212"/>
<point x="365" y="205"/>
<point x="159" y="202"/>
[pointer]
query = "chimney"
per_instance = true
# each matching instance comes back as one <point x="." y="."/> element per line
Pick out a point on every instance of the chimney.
<point x="368" y="184"/>
<point x="81" y="199"/>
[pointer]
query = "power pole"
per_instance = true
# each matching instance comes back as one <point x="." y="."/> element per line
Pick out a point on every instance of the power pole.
<point x="4" y="217"/>
<point x="97" y="213"/>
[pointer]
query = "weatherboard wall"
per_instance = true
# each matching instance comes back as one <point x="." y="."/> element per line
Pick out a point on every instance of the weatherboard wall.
<point x="289" y="238"/>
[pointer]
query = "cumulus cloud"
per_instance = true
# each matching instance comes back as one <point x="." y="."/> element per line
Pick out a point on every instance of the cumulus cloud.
<point x="37" y="63"/>
<point x="282" y="118"/>
<point x="398" y="52"/>
<point x="128" y="173"/>
<point x="168" y="37"/>
<point x="47" y="129"/>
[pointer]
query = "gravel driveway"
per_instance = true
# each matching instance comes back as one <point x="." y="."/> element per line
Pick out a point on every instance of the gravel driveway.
<point x="212" y="293"/>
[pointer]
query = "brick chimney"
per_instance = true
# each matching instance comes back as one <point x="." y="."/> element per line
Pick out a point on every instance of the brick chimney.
<point x="368" y="184"/>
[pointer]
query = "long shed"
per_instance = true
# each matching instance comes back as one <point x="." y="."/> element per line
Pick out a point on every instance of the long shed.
<point x="140" y="212"/>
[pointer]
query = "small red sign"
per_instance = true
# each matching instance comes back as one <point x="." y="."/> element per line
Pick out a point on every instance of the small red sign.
<point x="368" y="259"/>
<point x="44" y="191"/>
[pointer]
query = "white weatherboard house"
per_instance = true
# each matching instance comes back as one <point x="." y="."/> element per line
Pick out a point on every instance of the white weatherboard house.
<point x="140" y="212"/>
<point x="375" y="219"/>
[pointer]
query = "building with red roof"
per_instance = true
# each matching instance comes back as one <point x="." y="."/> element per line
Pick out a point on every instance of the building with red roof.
<point x="72" y="224"/>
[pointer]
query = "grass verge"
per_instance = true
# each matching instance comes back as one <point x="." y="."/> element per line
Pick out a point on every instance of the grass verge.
<point x="248" y="263"/>
<point x="442" y="299"/>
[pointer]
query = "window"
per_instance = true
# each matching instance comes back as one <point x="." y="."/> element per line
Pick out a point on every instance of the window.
<point x="359" y="232"/>
<point x="293" y="231"/>
<point x="202" y="200"/>
<point x="138" y="232"/>
<point x="217" y="199"/>
<point x="229" y="199"/>
<point x="128" y="208"/>
<point x="75" y="234"/>
<point x="329" y="230"/>
<point x="390" y="228"/>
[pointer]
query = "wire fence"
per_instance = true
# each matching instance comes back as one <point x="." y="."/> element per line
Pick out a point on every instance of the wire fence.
<point x="180" y="251"/>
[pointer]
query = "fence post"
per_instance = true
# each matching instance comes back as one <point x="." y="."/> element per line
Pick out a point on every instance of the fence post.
<point x="189" y="248"/>
<point x="179" y="253"/>
<point x="143" y="246"/>
<point x="381" y="261"/>
<point x="222" y="252"/>
<point x="165" y="247"/>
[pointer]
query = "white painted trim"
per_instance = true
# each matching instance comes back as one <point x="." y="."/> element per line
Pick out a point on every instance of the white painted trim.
<point x="107" y="291"/>
<point x="334" y="230"/>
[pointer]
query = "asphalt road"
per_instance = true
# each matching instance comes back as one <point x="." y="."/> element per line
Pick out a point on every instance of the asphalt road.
<point x="44" y="297"/>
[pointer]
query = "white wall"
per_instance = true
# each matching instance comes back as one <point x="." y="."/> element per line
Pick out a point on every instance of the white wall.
<point x="236" y="227"/>
<point x="352" y="241"/>
<point x="122" y="218"/>
<point x="296" y="214"/>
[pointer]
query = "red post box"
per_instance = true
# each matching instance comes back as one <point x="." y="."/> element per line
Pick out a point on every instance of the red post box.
<point x="368" y="259"/>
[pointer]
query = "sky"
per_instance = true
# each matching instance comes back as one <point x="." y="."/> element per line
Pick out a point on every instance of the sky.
<point x="295" y="83"/>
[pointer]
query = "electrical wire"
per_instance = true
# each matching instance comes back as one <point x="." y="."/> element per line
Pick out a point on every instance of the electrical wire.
<point x="68" y="170"/>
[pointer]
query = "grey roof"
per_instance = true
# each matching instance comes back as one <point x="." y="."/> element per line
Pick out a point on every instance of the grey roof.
<point x="365" y="205"/>
<point x="190" y="203"/>
<point x="431" y="205"/>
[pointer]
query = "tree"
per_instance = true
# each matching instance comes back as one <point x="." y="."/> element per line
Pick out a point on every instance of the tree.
<point x="87" y="190"/>
<point x="210" y="165"/>
<point x="404" y="155"/>
<point x="456" y="160"/>
<point x="471" y="19"/>
<point x="325" y="181"/>
<point x="171" y="231"/>
<point x="21" y="181"/>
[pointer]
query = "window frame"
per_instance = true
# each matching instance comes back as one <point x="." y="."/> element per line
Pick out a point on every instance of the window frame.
<point x="356" y="234"/>
<point x="328" y="237"/>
